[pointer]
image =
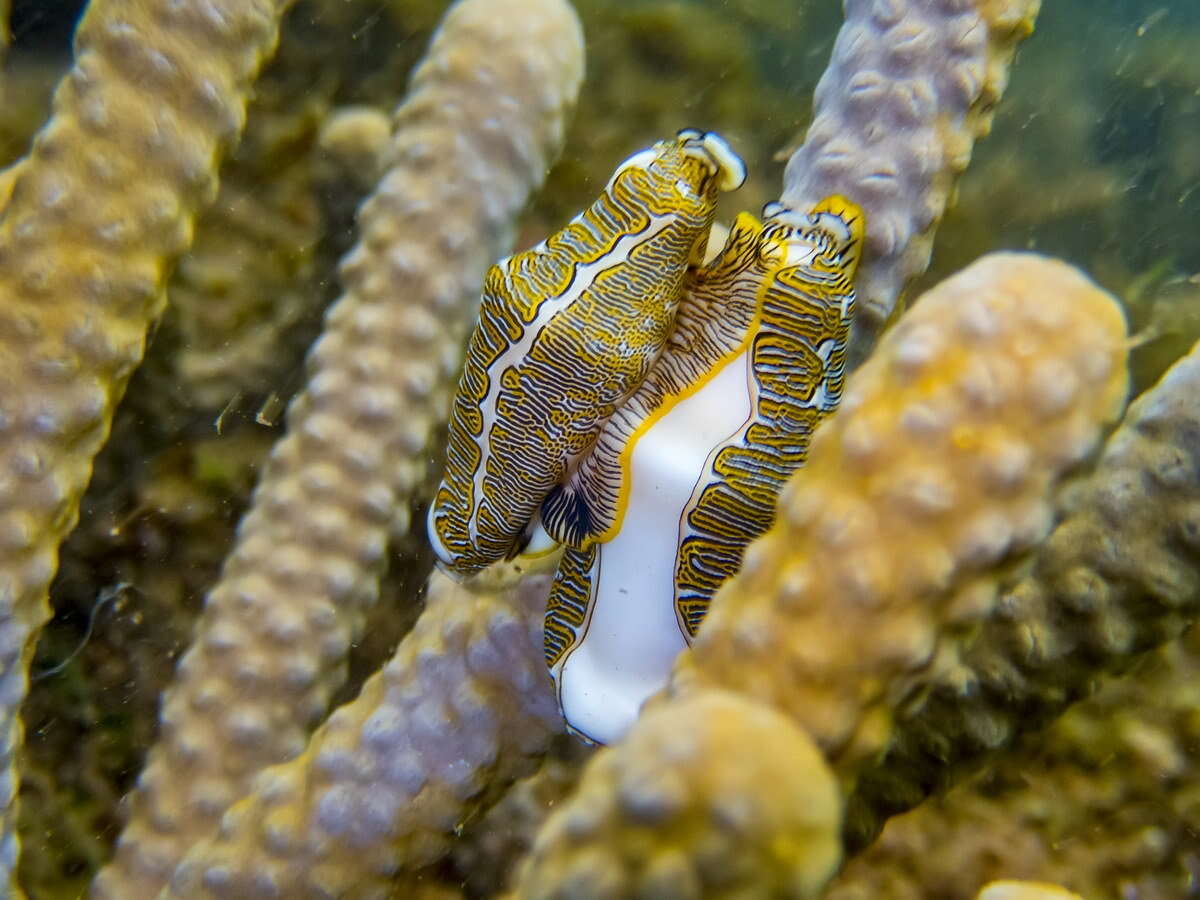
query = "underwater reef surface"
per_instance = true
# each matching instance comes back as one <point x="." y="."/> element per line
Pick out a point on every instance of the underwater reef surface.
<point x="1092" y="157"/>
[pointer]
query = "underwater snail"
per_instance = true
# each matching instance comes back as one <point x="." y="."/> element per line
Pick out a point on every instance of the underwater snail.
<point x="567" y="331"/>
<point x="685" y="473"/>
<point x="644" y="411"/>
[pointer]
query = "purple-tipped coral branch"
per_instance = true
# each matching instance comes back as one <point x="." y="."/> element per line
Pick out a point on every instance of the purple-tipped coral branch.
<point x="463" y="708"/>
<point x="910" y="86"/>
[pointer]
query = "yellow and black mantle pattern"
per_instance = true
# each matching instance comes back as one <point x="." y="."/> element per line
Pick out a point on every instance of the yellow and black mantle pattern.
<point x="782" y="291"/>
<point x="756" y="361"/>
<point x="589" y="341"/>
<point x="567" y="330"/>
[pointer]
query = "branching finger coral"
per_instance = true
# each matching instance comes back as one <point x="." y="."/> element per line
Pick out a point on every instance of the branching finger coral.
<point x="937" y="466"/>
<point x="463" y="707"/>
<point x="681" y="810"/>
<point x="469" y="142"/>
<point x="246" y="301"/>
<point x="1103" y="801"/>
<point x="98" y="211"/>
<point x="910" y="86"/>
<point x="1117" y="577"/>
<point x="1024" y="890"/>
<point x="492" y="846"/>
<point x="859" y="661"/>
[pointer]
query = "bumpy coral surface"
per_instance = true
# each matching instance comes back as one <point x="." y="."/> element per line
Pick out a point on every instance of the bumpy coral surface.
<point x="937" y="466"/>
<point x="491" y="848"/>
<point x="910" y="86"/>
<point x="246" y="301"/>
<point x="1117" y="577"/>
<point x="1093" y="160"/>
<point x="681" y="810"/>
<point x="1025" y="890"/>
<point x="1103" y="802"/>
<point x="103" y="203"/>
<point x="385" y="784"/>
<point x="270" y="649"/>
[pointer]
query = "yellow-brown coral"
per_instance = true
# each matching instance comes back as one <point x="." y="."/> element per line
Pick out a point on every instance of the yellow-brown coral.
<point x="1047" y="641"/>
<point x="98" y="210"/>
<point x="387" y="780"/>
<point x="937" y="466"/>
<point x="1025" y="890"/>
<point x="1117" y="577"/>
<point x="714" y="797"/>
<point x="469" y="143"/>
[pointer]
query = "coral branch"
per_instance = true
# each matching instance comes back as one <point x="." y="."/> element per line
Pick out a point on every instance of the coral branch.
<point x="483" y="119"/>
<point x="715" y="796"/>
<point x="1103" y="801"/>
<point x="489" y="851"/>
<point x="97" y="213"/>
<point x="1024" y="890"/>
<point x="937" y="466"/>
<point x="910" y="86"/>
<point x="463" y="707"/>
<point x="1117" y="577"/>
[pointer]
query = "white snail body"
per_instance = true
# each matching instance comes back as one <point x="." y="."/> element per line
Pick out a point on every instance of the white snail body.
<point x="685" y="473"/>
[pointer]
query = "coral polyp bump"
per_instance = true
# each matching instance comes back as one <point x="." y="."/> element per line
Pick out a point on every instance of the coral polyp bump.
<point x="567" y="330"/>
